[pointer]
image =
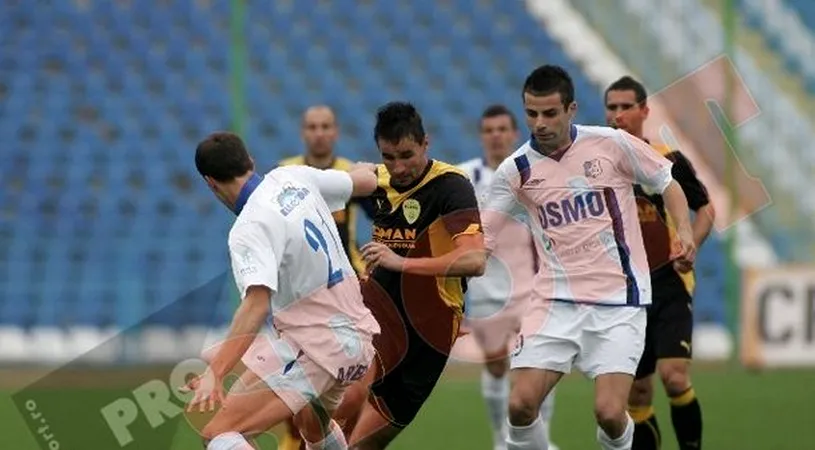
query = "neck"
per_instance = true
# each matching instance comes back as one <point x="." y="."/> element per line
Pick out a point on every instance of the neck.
<point x="234" y="191"/>
<point x="320" y="162"/>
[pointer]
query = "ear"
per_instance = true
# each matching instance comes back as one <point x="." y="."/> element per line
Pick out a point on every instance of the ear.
<point x="572" y="110"/>
<point x="645" y="111"/>
<point x="210" y="182"/>
<point x="426" y="142"/>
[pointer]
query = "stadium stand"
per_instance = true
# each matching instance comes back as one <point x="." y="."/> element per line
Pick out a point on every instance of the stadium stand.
<point x="105" y="223"/>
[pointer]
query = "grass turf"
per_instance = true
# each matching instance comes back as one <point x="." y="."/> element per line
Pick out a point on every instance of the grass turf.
<point x="770" y="410"/>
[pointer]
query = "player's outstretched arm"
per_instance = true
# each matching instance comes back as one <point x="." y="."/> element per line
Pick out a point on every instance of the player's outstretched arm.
<point x="249" y="317"/>
<point x="363" y="178"/>
<point x="676" y="204"/>
<point x="696" y="193"/>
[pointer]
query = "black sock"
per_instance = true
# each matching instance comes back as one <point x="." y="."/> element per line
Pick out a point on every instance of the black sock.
<point x="646" y="428"/>
<point x="686" y="415"/>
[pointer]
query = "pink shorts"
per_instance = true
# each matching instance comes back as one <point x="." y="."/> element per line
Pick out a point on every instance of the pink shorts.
<point x="299" y="380"/>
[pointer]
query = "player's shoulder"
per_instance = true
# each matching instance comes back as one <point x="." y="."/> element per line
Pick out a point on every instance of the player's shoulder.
<point x="341" y="163"/>
<point x="292" y="161"/>
<point x="513" y="164"/>
<point x="599" y="132"/>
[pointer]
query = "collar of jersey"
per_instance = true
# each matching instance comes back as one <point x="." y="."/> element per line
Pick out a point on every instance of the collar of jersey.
<point x="247" y="189"/>
<point x="572" y="133"/>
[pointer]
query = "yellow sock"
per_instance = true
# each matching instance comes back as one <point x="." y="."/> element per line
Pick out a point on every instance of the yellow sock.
<point x="290" y="442"/>
<point x="684" y="398"/>
<point x="640" y="414"/>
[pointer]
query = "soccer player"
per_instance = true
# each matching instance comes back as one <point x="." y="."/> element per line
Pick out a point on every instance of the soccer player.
<point x="293" y="275"/>
<point x="586" y="310"/>
<point x="668" y="336"/>
<point x="497" y="299"/>
<point x="320" y="131"/>
<point x="426" y="240"/>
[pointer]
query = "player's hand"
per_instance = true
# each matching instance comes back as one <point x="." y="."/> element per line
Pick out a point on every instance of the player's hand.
<point x="376" y="254"/>
<point x="208" y="392"/>
<point x="362" y="165"/>
<point x="685" y="255"/>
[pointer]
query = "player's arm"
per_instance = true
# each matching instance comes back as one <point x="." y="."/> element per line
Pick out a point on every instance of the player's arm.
<point x="696" y="193"/>
<point x="643" y="165"/>
<point x="462" y="221"/>
<point x="501" y="205"/>
<point x="338" y="186"/>
<point x="255" y="268"/>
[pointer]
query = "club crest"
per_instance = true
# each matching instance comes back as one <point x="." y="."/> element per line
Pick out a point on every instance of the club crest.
<point x="592" y="168"/>
<point x="411" y="210"/>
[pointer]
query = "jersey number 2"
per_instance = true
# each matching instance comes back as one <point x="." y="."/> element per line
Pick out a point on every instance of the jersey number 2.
<point x="317" y="241"/>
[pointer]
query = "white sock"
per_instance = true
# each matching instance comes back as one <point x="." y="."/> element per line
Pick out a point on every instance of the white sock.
<point x="530" y="437"/>
<point x="335" y="440"/>
<point x="546" y="411"/>
<point x="229" y="441"/>
<point x="623" y="442"/>
<point x="496" y="396"/>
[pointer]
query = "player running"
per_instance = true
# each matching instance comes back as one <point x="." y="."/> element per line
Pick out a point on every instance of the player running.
<point x="293" y="275"/>
<point x="587" y="311"/>
<point x="426" y="239"/>
<point x="668" y="336"/>
<point x="496" y="301"/>
<point x="319" y="131"/>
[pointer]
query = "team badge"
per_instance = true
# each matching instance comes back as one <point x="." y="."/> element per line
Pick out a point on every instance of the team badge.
<point x="592" y="168"/>
<point x="411" y="210"/>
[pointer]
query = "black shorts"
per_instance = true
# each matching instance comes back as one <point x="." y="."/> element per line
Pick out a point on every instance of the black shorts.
<point x="669" y="333"/>
<point x="411" y="355"/>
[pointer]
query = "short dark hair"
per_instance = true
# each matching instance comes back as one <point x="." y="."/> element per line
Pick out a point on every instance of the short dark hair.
<point x="550" y="79"/>
<point x="396" y="121"/>
<point x="223" y="156"/>
<point x="499" y="110"/>
<point x="627" y="83"/>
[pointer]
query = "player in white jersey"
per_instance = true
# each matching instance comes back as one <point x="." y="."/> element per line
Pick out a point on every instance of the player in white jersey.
<point x="293" y="276"/>
<point x="497" y="299"/>
<point x="593" y="280"/>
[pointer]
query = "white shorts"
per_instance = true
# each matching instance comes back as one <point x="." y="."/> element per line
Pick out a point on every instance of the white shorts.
<point x="297" y="379"/>
<point x="595" y="339"/>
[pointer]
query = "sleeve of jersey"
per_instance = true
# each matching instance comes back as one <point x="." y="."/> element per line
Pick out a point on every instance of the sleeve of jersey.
<point x="254" y="262"/>
<point x="335" y="186"/>
<point x="501" y="204"/>
<point x="685" y="175"/>
<point x="643" y="165"/>
<point x="459" y="207"/>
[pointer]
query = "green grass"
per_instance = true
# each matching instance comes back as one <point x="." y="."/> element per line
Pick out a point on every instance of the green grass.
<point x="743" y="410"/>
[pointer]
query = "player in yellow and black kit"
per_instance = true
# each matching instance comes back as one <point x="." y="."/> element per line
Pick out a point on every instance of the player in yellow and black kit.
<point x="319" y="131"/>
<point x="427" y="240"/>
<point x="668" y="336"/>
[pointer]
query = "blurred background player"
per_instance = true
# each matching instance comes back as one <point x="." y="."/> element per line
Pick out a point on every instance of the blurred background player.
<point x="319" y="130"/>
<point x="426" y="241"/>
<point x="668" y="337"/>
<point x="587" y="306"/>
<point x="493" y="324"/>
<point x="292" y="272"/>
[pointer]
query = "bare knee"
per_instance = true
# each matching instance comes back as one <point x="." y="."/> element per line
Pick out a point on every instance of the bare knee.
<point x="675" y="377"/>
<point x="523" y="407"/>
<point x="497" y="367"/>
<point x="642" y="392"/>
<point x="610" y="413"/>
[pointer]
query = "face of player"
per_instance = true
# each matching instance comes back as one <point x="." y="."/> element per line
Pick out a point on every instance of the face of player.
<point x="498" y="137"/>
<point x="623" y="111"/>
<point x="549" y="119"/>
<point x="319" y="132"/>
<point x="405" y="160"/>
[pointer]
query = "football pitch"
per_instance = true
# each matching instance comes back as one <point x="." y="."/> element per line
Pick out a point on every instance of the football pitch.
<point x="770" y="410"/>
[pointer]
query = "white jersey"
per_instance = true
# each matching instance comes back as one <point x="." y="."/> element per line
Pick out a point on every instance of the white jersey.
<point x="512" y="276"/>
<point x="285" y="239"/>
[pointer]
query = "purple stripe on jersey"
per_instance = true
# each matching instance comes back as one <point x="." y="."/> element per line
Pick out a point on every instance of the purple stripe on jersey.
<point x="522" y="164"/>
<point x="632" y="292"/>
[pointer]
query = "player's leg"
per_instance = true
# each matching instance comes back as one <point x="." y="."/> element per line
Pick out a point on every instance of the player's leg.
<point x="545" y="350"/>
<point x="493" y="337"/>
<point x="674" y="354"/>
<point x="613" y="342"/>
<point x="547" y="410"/>
<point x="397" y="396"/>
<point x="647" y="435"/>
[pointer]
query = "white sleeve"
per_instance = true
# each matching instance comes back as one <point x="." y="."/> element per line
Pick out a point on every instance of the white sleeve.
<point x="335" y="186"/>
<point x="254" y="258"/>
<point x="643" y="165"/>
<point x="501" y="204"/>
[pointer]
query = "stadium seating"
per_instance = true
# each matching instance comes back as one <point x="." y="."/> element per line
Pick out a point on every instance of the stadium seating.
<point x="105" y="223"/>
<point x="789" y="29"/>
